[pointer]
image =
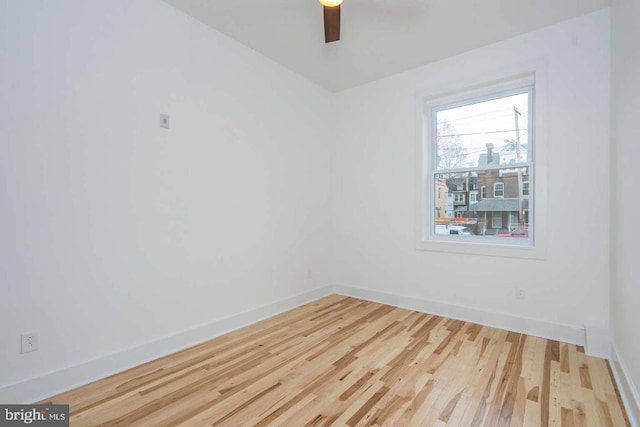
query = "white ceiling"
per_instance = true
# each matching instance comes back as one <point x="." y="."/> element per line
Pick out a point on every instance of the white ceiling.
<point x="378" y="37"/>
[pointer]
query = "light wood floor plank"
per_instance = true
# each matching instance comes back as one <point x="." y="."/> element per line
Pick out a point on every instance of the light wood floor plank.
<point x="342" y="361"/>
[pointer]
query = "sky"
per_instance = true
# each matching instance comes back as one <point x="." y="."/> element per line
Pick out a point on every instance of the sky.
<point x="491" y="121"/>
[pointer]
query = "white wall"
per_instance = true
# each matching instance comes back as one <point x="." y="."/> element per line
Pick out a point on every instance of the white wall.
<point x="115" y="232"/>
<point x="625" y="205"/>
<point x="375" y="196"/>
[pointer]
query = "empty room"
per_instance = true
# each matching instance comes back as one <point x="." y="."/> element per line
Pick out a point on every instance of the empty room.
<point x="314" y="213"/>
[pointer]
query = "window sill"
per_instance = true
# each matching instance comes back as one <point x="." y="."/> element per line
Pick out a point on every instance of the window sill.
<point x="467" y="247"/>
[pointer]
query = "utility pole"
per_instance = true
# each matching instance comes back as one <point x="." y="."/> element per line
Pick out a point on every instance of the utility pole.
<point x="516" y="114"/>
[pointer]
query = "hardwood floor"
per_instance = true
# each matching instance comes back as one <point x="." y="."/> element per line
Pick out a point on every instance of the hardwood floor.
<point x="343" y="361"/>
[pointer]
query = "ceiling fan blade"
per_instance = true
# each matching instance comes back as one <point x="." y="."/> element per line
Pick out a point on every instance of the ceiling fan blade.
<point x="331" y="24"/>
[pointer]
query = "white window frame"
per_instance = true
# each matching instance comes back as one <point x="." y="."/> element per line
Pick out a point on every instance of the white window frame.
<point x="501" y="184"/>
<point x="523" y="183"/>
<point x="532" y="72"/>
<point x="483" y="192"/>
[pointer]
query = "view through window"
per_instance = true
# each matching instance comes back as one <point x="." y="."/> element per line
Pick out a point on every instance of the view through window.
<point x="480" y="167"/>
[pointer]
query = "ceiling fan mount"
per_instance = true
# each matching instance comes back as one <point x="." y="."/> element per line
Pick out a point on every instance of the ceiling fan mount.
<point x="331" y="20"/>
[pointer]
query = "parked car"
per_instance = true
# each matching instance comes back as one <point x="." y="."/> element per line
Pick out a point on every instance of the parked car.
<point x="516" y="232"/>
<point x="458" y="230"/>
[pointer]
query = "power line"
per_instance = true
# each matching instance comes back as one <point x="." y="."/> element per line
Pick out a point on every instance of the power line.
<point x="477" y="116"/>
<point x="477" y="133"/>
<point x="476" y="151"/>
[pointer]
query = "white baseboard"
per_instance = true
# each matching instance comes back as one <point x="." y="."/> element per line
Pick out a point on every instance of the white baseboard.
<point x="598" y="341"/>
<point x="628" y="390"/>
<point x="44" y="386"/>
<point x="539" y="328"/>
<point x="41" y="387"/>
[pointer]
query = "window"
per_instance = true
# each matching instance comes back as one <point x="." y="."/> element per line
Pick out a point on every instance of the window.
<point x="496" y="220"/>
<point x="479" y="140"/>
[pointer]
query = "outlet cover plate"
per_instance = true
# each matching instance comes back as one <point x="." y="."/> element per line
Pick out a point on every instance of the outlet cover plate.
<point x="29" y="342"/>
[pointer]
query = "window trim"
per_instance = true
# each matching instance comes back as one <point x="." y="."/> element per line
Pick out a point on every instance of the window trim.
<point x="489" y="93"/>
<point x="494" y="190"/>
<point x="490" y="79"/>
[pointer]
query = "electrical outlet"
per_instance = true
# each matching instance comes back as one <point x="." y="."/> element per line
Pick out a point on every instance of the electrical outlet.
<point x="29" y="342"/>
<point x="520" y="293"/>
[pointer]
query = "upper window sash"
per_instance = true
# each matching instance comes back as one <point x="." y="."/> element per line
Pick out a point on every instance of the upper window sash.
<point x="434" y="106"/>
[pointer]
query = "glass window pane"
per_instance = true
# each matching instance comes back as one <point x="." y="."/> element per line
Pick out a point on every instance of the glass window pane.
<point x="483" y="213"/>
<point x="485" y="133"/>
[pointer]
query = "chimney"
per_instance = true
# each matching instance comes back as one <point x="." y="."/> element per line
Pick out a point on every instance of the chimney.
<point x="489" y="153"/>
